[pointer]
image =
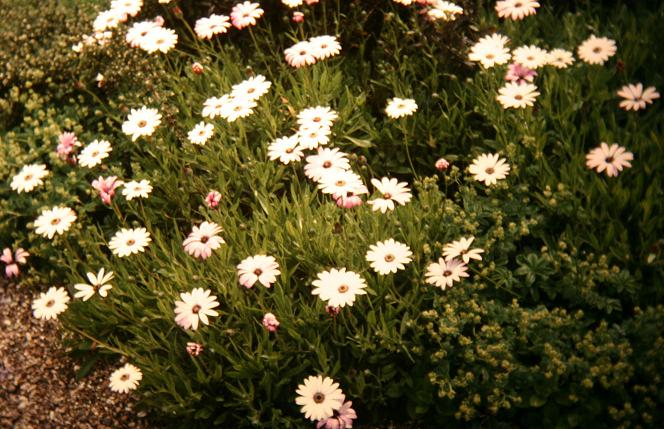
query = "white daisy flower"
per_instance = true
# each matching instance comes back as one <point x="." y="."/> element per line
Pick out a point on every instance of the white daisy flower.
<point x="443" y="10"/>
<point x="129" y="241"/>
<point x="237" y="108"/>
<point x="443" y="273"/>
<point x="285" y="149"/>
<point x="195" y="305"/>
<point x="560" y="58"/>
<point x="310" y="137"/>
<point x="516" y="9"/>
<point x="206" y="28"/>
<point x="136" y="189"/>
<point x="531" y="56"/>
<point x="201" y="133"/>
<point x="596" y="50"/>
<point x="159" y="39"/>
<point x="388" y="256"/>
<point x="98" y="284"/>
<point x="392" y="191"/>
<point x="490" y="50"/>
<point x="124" y="379"/>
<point x="141" y="122"/>
<point x="461" y="248"/>
<point x="338" y="287"/>
<point x="400" y="107"/>
<point x="300" y="54"/>
<point x="323" y="47"/>
<point x="319" y="397"/>
<point x="611" y="159"/>
<point x="94" y="152"/>
<point x="29" y="177"/>
<point x="251" y="89"/>
<point x="212" y="107"/>
<point x="489" y="168"/>
<point x="203" y="240"/>
<point x="54" y="221"/>
<point x="108" y="19"/>
<point x="321" y="116"/>
<point x="324" y="161"/>
<point x="258" y="268"/>
<point x="129" y="7"/>
<point x="635" y="97"/>
<point x="50" y="304"/>
<point x="340" y="183"/>
<point x="137" y="33"/>
<point x="517" y="96"/>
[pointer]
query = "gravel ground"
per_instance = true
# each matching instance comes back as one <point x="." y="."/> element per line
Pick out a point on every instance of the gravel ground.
<point x="37" y="384"/>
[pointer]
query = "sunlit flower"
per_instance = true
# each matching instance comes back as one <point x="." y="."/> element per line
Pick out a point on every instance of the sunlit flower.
<point x="516" y="9"/>
<point x="108" y="19"/>
<point x="251" y="89"/>
<point x="12" y="261"/>
<point x="392" y="191"/>
<point x="237" y="108"/>
<point x="461" y="248"/>
<point x="300" y="54"/>
<point x="138" y="32"/>
<point x="560" y="58"/>
<point x="129" y="241"/>
<point x="203" y="240"/>
<point x="98" y="284"/>
<point x="531" y="56"/>
<point x="125" y="379"/>
<point x="270" y="322"/>
<point x="610" y="158"/>
<point x="443" y="273"/>
<point x="129" y="7"/>
<point x="258" y="268"/>
<point x="141" y="122"/>
<point x="93" y="153"/>
<point x="54" y="221"/>
<point x="195" y="305"/>
<point x="340" y="183"/>
<point x="635" y="97"/>
<point x="212" y="107"/>
<point x="29" y="177"/>
<point x="206" y="28"/>
<point x="400" y="107"/>
<point x="159" y="39"/>
<point x="201" y="133"/>
<point x="489" y="168"/>
<point x="443" y="10"/>
<point x="388" y="256"/>
<point x="311" y="137"/>
<point x="338" y="287"/>
<point x="341" y="419"/>
<point x="517" y="96"/>
<point x="323" y="47"/>
<point x="106" y="187"/>
<point x="319" y="397"/>
<point x="136" y="189"/>
<point x="285" y="149"/>
<point x="245" y="14"/>
<point x="50" y="304"/>
<point x="324" y="161"/>
<point x="319" y="116"/>
<point x="596" y="50"/>
<point x="490" y="50"/>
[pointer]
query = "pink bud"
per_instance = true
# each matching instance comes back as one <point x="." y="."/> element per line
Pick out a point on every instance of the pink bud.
<point x="298" y="17"/>
<point x="270" y="322"/>
<point x="442" y="164"/>
<point x="159" y="20"/>
<point x="310" y="2"/>
<point x="332" y="311"/>
<point x="197" y="68"/>
<point x="12" y="270"/>
<point x="212" y="199"/>
<point x="194" y="349"/>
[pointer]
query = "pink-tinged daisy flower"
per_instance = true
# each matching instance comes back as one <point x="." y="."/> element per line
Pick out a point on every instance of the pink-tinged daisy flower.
<point x="12" y="262"/>
<point x="560" y="58"/>
<point x="108" y="19"/>
<point x="324" y="161"/>
<point x="67" y="143"/>
<point x="323" y="47"/>
<point x="349" y="201"/>
<point x="50" y="304"/>
<point x="251" y="89"/>
<point x="319" y="116"/>
<point x="138" y="32"/>
<point x="285" y="149"/>
<point x="388" y="256"/>
<point x="516" y="9"/>
<point x="206" y="28"/>
<point x="340" y="183"/>
<point x="125" y="379"/>
<point x="270" y="322"/>
<point x="442" y="164"/>
<point x="245" y="14"/>
<point x="203" y="240"/>
<point x="635" y="97"/>
<point x="517" y="96"/>
<point x="319" y="397"/>
<point x="339" y="287"/>
<point x="596" y="50"/>
<point x="195" y="305"/>
<point x="141" y="122"/>
<point x="212" y="199"/>
<point x="258" y="268"/>
<point x="443" y="273"/>
<point x="341" y="419"/>
<point x="29" y="177"/>
<point x="298" y="17"/>
<point x="300" y="54"/>
<point x="106" y="187"/>
<point x="392" y="191"/>
<point x="531" y="56"/>
<point x="461" y="248"/>
<point x="489" y="168"/>
<point x="610" y="158"/>
<point x="54" y="221"/>
<point x="490" y="50"/>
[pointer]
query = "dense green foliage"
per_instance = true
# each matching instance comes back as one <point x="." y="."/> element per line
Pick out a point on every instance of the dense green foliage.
<point x="558" y="326"/>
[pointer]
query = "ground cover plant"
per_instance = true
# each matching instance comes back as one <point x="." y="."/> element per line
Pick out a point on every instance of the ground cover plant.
<point x="337" y="214"/>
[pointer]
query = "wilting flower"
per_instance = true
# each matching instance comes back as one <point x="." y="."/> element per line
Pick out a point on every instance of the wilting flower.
<point x="610" y="158"/>
<point x="125" y="379"/>
<point x="270" y="322"/>
<point x="106" y="187"/>
<point x="195" y="305"/>
<point x="341" y="419"/>
<point x="98" y="284"/>
<point x="194" y="349"/>
<point x="212" y="199"/>
<point x="12" y="262"/>
<point x="319" y="397"/>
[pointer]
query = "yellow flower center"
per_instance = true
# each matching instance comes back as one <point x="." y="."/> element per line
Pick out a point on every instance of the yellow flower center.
<point x="343" y="288"/>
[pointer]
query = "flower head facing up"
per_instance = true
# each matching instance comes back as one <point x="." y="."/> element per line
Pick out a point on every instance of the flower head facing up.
<point x="138" y="32"/>
<point x="519" y="74"/>
<point x="392" y="191"/>
<point x="106" y="187"/>
<point x="596" y="50"/>
<point x="141" y="122"/>
<point x="203" y="240"/>
<point x="212" y="199"/>
<point x="443" y="273"/>
<point x="461" y="248"/>
<point x="67" y="143"/>
<point x="98" y="284"/>
<point x="532" y="56"/>
<point x="251" y="89"/>
<point x="206" y="28"/>
<point x="54" y="221"/>
<point x="29" y="178"/>
<point x="201" y="133"/>
<point x="285" y="149"/>
<point x="300" y="54"/>
<point x="400" y="107"/>
<point x="324" y="161"/>
<point x="560" y="58"/>
<point x="245" y="14"/>
<point x="324" y="47"/>
<point x="319" y="397"/>
<point x="340" y="183"/>
<point x="94" y="153"/>
<point x="635" y="97"/>
<point x="129" y="241"/>
<point x="341" y="419"/>
<point x="50" y="304"/>
<point x="517" y="96"/>
<point x="195" y="305"/>
<point x="125" y="378"/>
<point x="489" y="168"/>
<point x="159" y="39"/>
<point x="12" y="261"/>
<point x="490" y="51"/>
<point x="516" y="9"/>
<point x="270" y="322"/>
<point x="611" y="159"/>
<point x="338" y="287"/>
<point x="388" y="256"/>
<point x="440" y="10"/>
<point x="137" y="189"/>
<point x="258" y="268"/>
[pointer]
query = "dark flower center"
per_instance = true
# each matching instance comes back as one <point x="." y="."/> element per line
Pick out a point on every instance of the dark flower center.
<point x="131" y="242"/>
<point x="343" y="288"/>
<point x="28" y="177"/>
<point x="195" y="309"/>
<point x="50" y="303"/>
<point x="327" y="164"/>
<point x="55" y="221"/>
<point x="258" y="271"/>
<point x="142" y="123"/>
<point x="124" y="377"/>
<point x="340" y="183"/>
<point x="387" y="195"/>
<point x="319" y="397"/>
<point x="447" y="273"/>
<point x="489" y="170"/>
<point x="204" y="239"/>
<point x="609" y="159"/>
<point x="389" y="257"/>
<point x="597" y="50"/>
